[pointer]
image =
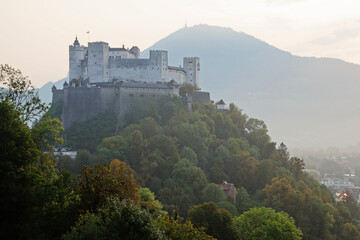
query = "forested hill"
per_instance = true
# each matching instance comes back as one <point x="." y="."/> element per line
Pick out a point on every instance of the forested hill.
<point x="310" y="98"/>
<point x="182" y="157"/>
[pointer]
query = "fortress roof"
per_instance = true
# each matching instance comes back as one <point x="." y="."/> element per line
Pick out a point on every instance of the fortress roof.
<point x="136" y="84"/>
<point x="118" y="49"/>
<point x="221" y="102"/>
<point x="176" y="68"/>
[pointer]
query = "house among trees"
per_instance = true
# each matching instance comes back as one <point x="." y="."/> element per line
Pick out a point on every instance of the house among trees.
<point x="221" y="105"/>
<point x="229" y="189"/>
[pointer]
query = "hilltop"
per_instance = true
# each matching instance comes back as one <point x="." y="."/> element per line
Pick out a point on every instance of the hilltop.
<point x="307" y="102"/>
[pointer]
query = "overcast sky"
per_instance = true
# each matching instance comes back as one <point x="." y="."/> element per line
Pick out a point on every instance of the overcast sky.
<point x="35" y="34"/>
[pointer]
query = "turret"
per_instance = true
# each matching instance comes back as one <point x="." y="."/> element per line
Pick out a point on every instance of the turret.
<point x="76" y="55"/>
<point x="76" y="42"/>
<point x="192" y="69"/>
<point x="136" y="51"/>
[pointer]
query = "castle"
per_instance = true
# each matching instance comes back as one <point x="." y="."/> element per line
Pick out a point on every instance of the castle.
<point x="100" y="63"/>
<point x="105" y="79"/>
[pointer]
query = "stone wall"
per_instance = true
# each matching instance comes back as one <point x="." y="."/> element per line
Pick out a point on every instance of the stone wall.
<point x="83" y="103"/>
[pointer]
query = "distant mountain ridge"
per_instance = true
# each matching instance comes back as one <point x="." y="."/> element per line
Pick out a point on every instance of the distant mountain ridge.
<point x="305" y="101"/>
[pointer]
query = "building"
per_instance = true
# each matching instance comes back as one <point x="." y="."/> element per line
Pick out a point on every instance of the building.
<point x="98" y="62"/>
<point x="84" y="102"/>
<point x="221" y="105"/>
<point x="105" y="79"/>
<point x="229" y="189"/>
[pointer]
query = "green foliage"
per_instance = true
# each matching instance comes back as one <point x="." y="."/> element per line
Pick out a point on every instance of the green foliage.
<point x="186" y="89"/>
<point x="17" y="89"/>
<point x="148" y="200"/>
<point x="35" y="200"/>
<point x="213" y="193"/>
<point x="181" y="156"/>
<point x="46" y="132"/>
<point x="116" y="220"/>
<point x="265" y="224"/>
<point x="243" y="200"/>
<point x="56" y="109"/>
<point x="110" y="148"/>
<point x="87" y="135"/>
<point x="350" y="232"/>
<point x="176" y="231"/>
<point x="83" y="158"/>
<point x="216" y="221"/>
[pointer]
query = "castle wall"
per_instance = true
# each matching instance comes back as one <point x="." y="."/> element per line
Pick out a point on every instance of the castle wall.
<point x="98" y="62"/>
<point x="121" y="54"/>
<point x="57" y="95"/>
<point x="134" y="69"/>
<point x="83" y="103"/>
<point x="201" y="97"/>
<point x="177" y="74"/>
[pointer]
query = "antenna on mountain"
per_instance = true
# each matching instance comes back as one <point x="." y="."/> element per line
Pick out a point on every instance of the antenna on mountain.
<point x="185" y="26"/>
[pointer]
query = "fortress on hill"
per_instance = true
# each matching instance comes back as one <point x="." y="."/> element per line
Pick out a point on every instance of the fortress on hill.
<point x="105" y="79"/>
<point x="100" y="63"/>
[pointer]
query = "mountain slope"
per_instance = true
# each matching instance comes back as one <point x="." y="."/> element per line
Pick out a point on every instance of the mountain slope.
<point x="45" y="92"/>
<point x="305" y="101"/>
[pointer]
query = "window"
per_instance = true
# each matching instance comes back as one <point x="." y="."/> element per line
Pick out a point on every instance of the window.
<point x="141" y="95"/>
<point x="131" y="95"/>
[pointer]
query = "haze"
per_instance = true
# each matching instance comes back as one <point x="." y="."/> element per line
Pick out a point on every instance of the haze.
<point x="36" y="34"/>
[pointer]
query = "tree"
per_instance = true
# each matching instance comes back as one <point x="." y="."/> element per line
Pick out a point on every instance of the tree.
<point x="18" y="152"/>
<point x="243" y="200"/>
<point x="350" y="232"/>
<point x="97" y="184"/>
<point x="187" y="175"/>
<point x="216" y="221"/>
<point x="297" y="166"/>
<point x="213" y="193"/>
<point x="116" y="220"/>
<point x="17" y="89"/>
<point x="148" y="200"/>
<point x="176" y="231"/>
<point x="187" y="89"/>
<point x="262" y="223"/>
<point x="35" y="201"/>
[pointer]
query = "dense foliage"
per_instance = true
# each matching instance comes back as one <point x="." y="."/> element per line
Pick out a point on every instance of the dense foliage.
<point x="182" y="156"/>
<point x="165" y="151"/>
<point x="265" y="224"/>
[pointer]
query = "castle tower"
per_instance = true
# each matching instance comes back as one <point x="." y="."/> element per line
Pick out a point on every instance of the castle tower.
<point x="76" y="55"/>
<point x="136" y="51"/>
<point x="159" y="62"/>
<point x="192" y="69"/>
<point x="98" y="62"/>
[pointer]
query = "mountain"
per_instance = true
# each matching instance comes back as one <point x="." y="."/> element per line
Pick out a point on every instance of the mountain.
<point x="45" y="92"/>
<point x="306" y="102"/>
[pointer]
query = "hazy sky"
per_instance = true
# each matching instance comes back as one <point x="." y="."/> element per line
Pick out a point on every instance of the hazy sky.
<point x="35" y="34"/>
